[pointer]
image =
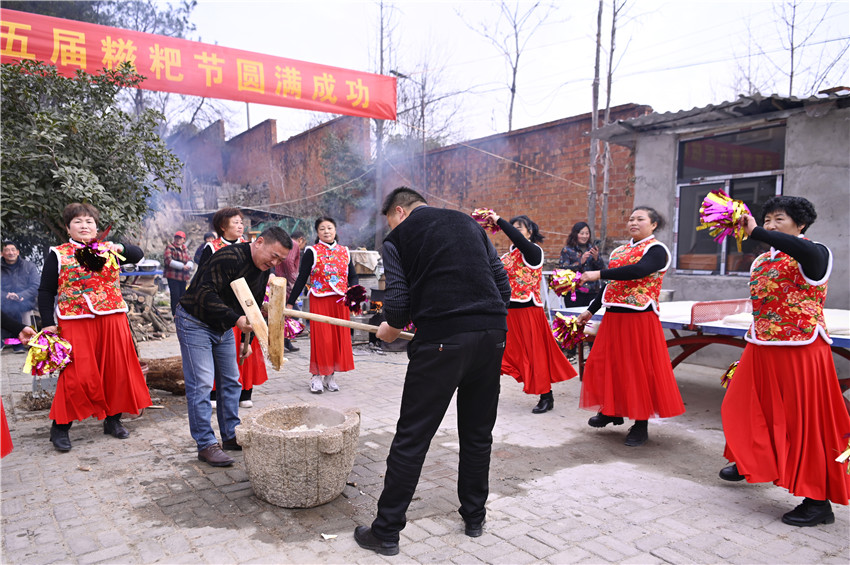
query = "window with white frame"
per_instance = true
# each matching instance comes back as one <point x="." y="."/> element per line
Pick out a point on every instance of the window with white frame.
<point x="747" y="165"/>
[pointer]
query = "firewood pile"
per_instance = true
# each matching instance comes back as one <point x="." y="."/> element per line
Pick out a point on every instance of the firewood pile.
<point x="147" y="320"/>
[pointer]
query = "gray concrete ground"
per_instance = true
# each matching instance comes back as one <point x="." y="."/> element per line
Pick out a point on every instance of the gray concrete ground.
<point x="561" y="492"/>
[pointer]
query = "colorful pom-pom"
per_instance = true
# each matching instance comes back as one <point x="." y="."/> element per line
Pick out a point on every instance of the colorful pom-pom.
<point x="722" y="217"/>
<point x="567" y="331"/>
<point x="96" y="255"/>
<point x="727" y="376"/>
<point x="292" y="328"/>
<point x="48" y="353"/>
<point x="353" y="298"/>
<point x="845" y="455"/>
<point x="482" y="216"/>
<point x="565" y="282"/>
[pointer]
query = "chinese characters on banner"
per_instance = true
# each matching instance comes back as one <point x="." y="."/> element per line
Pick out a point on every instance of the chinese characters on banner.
<point x="194" y="68"/>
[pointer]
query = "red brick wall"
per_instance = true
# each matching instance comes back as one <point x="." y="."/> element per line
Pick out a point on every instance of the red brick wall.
<point x="541" y="171"/>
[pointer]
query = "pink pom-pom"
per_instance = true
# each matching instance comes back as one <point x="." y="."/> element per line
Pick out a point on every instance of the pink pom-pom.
<point x="565" y="282"/>
<point x="353" y="298"/>
<point x="721" y="215"/>
<point x="482" y="216"/>
<point x="292" y="327"/>
<point x="567" y="332"/>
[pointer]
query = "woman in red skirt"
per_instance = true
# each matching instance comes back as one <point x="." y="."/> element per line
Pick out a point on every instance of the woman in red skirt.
<point x="229" y="226"/>
<point x="328" y="266"/>
<point x="532" y="355"/>
<point x="628" y="373"/>
<point x="104" y="377"/>
<point x="783" y="415"/>
<point x="24" y="333"/>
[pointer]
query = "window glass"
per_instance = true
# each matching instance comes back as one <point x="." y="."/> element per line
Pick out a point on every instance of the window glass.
<point x="741" y="152"/>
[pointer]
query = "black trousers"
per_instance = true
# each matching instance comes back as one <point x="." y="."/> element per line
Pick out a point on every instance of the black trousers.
<point x="470" y="363"/>
<point x="177" y="289"/>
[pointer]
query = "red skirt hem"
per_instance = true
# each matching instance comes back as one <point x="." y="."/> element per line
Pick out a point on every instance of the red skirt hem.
<point x="785" y="420"/>
<point x="628" y="372"/>
<point x="330" y="346"/>
<point x="104" y="376"/>
<point x="532" y="355"/>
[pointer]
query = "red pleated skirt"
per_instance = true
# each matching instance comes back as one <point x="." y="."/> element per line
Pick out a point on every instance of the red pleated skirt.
<point x="104" y="376"/>
<point x="5" y="436"/>
<point x="628" y="372"/>
<point x="330" y="346"/>
<point x="252" y="371"/>
<point x="532" y="355"/>
<point x="784" y="420"/>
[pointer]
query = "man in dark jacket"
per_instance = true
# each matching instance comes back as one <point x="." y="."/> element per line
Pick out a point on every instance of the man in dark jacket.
<point x="444" y="275"/>
<point x="19" y="282"/>
<point x="204" y="320"/>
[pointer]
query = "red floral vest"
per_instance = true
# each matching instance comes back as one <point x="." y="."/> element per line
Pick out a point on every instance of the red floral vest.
<point x="84" y="294"/>
<point x="330" y="269"/>
<point x="524" y="278"/>
<point x="787" y="307"/>
<point x="221" y="243"/>
<point x="639" y="293"/>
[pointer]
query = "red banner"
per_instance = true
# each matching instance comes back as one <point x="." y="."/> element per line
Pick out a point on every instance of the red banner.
<point x="198" y="69"/>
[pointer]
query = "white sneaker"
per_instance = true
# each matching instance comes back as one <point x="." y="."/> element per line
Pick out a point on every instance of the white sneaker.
<point x="330" y="383"/>
<point x="213" y="404"/>
<point x="316" y="386"/>
<point x="246" y="404"/>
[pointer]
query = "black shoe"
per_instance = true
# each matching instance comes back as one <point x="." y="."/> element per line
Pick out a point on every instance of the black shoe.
<point x="287" y="346"/>
<point x="59" y="438"/>
<point x="810" y="513"/>
<point x="547" y="402"/>
<point x="637" y="434"/>
<point x="112" y="426"/>
<point x="474" y="530"/>
<point x="366" y="539"/>
<point x="601" y="420"/>
<point x="230" y="445"/>
<point x="730" y="473"/>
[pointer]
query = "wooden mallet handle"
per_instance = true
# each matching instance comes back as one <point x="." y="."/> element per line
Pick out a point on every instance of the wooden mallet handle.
<point x="337" y="322"/>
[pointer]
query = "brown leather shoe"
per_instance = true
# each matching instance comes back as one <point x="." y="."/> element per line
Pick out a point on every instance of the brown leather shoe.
<point x="215" y="456"/>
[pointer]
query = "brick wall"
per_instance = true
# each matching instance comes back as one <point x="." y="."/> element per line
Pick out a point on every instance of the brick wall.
<point x="541" y="171"/>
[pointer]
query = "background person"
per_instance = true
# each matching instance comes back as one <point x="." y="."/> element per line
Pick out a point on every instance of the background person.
<point x="628" y="372"/>
<point x="19" y="280"/>
<point x="208" y="237"/>
<point x="330" y="270"/>
<point x="205" y="320"/>
<point x="783" y="414"/>
<point x="289" y="268"/>
<point x="178" y="268"/>
<point x="579" y="255"/>
<point x="442" y="273"/>
<point x="230" y="227"/>
<point x="104" y="378"/>
<point x="532" y="355"/>
<point x="23" y="333"/>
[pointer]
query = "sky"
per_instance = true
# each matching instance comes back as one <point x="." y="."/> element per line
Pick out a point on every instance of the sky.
<point x="672" y="55"/>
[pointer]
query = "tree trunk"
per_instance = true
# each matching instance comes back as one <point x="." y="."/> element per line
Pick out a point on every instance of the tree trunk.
<point x="594" y="124"/>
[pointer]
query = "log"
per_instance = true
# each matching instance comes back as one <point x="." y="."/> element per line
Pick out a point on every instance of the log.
<point x="252" y="312"/>
<point x="337" y="322"/>
<point x="277" y="329"/>
<point x="166" y="374"/>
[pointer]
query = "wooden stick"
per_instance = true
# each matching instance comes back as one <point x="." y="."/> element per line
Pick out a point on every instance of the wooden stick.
<point x="337" y="322"/>
<point x="252" y="312"/>
<point x="277" y="329"/>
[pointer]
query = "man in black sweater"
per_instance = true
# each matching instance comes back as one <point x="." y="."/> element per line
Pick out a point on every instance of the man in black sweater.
<point x="444" y="275"/>
<point x="205" y="319"/>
